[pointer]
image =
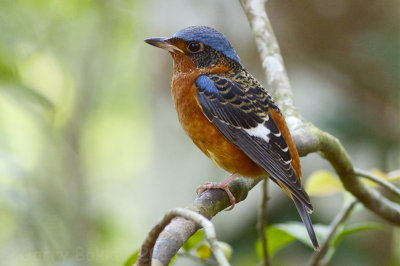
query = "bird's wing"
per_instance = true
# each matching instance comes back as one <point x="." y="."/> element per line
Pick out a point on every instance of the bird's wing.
<point x="241" y="109"/>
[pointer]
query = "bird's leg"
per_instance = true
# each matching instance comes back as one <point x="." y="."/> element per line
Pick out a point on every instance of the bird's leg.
<point x="220" y="185"/>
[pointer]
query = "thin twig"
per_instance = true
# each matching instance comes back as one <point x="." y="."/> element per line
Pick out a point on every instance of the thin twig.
<point x="146" y="250"/>
<point x="340" y="218"/>
<point x="208" y="204"/>
<point x="262" y="222"/>
<point x="307" y="137"/>
<point x="389" y="186"/>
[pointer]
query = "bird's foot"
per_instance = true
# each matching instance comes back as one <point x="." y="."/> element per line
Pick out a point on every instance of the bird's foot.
<point x="220" y="185"/>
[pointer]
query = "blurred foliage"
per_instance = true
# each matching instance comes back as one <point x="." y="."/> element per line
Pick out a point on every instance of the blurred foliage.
<point x="132" y="259"/>
<point x="83" y="123"/>
<point x="280" y="235"/>
<point x="69" y="97"/>
<point x="193" y="240"/>
<point x="198" y="249"/>
<point x="203" y="251"/>
<point x="323" y="183"/>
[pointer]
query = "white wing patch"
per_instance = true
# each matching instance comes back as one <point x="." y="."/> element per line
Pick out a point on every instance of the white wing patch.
<point x="259" y="131"/>
<point x="277" y="134"/>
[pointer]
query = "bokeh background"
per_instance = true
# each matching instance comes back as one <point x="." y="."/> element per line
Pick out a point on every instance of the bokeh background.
<point x="92" y="154"/>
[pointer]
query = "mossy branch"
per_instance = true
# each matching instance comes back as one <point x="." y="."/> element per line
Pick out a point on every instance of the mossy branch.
<point x="168" y="236"/>
<point x="307" y="137"/>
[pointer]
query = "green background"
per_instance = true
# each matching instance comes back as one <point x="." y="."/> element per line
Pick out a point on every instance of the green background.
<point x="92" y="154"/>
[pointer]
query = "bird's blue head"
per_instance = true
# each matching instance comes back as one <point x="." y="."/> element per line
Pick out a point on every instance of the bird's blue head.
<point x="204" y="45"/>
<point x="210" y="37"/>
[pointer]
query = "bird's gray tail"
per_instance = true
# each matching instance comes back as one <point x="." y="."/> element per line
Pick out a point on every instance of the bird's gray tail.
<point x="305" y="216"/>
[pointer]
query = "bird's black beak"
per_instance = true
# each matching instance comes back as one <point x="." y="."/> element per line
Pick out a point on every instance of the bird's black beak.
<point x="164" y="44"/>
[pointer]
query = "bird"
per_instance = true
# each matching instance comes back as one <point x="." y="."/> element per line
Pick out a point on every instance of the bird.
<point x="231" y="117"/>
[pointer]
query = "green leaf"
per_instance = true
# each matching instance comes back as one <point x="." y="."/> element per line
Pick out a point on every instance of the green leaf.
<point x="323" y="183"/>
<point x="276" y="239"/>
<point x="172" y="260"/>
<point x="203" y="251"/>
<point x="132" y="258"/>
<point x="299" y="231"/>
<point x="193" y="240"/>
<point x="354" y="229"/>
<point x="280" y="235"/>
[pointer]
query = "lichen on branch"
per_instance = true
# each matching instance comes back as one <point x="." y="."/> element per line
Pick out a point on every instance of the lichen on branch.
<point x="307" y="137"/>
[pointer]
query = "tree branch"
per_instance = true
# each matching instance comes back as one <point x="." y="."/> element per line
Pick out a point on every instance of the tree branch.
<point x="340" y="218"/>
<point x="262" y="222"/>
<point x="307" y="137"/>
<point x="389" y="186"/>
<point x="208" y="204"/>
<point x="146" y="250"/>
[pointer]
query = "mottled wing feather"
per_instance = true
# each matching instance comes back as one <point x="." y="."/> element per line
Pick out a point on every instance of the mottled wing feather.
<point x="238" y="106"/>
<point x="226" y="101"/>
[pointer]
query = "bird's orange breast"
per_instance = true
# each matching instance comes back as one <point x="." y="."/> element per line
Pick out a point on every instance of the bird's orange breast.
<point x="204" y="134"/>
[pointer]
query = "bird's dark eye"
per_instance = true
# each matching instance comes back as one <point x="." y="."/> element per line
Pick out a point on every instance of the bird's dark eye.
<point x="195" y="47"/>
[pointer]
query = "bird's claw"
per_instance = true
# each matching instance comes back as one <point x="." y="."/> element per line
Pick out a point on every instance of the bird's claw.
<point x="220" y="185"/>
